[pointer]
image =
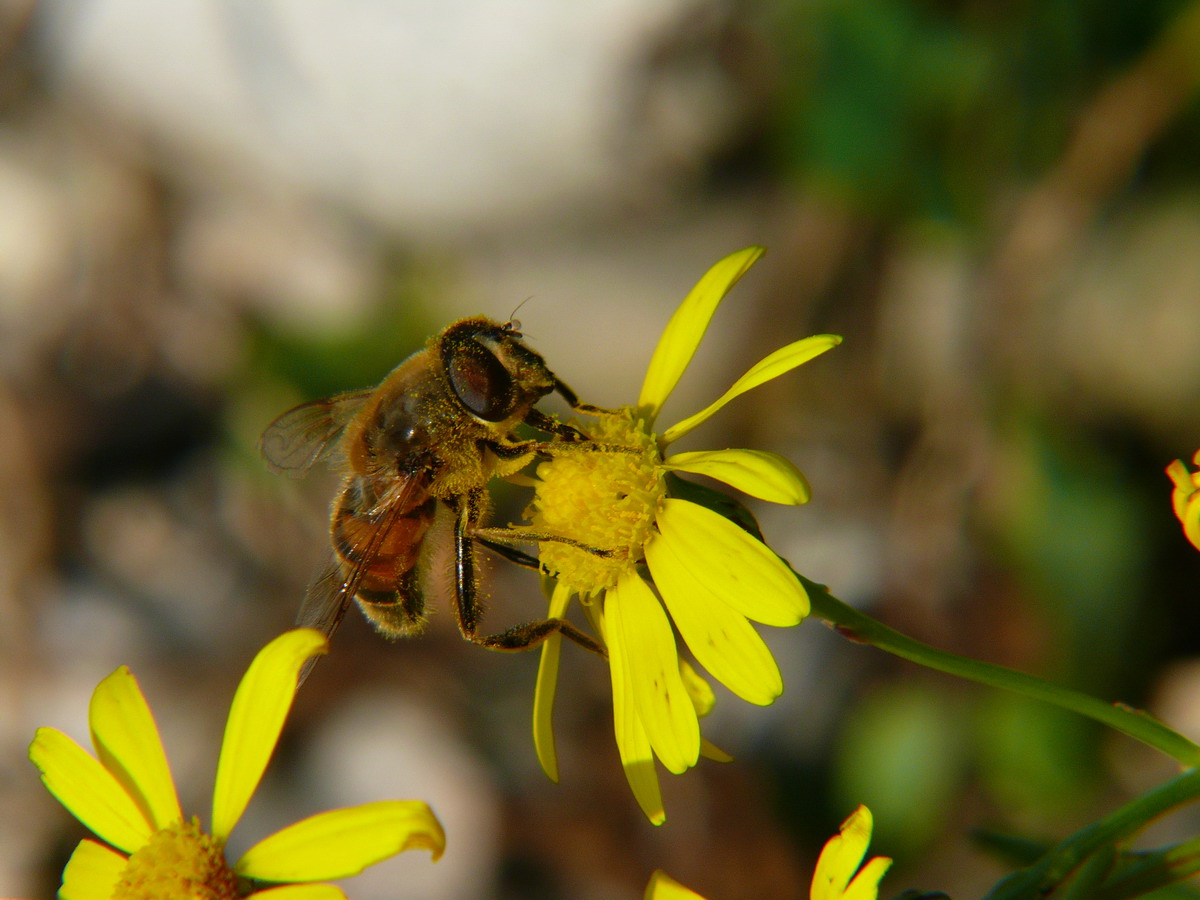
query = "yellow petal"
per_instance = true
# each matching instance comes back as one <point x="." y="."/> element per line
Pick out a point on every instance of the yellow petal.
<point x="719" y="637"/>
<point x="782" y="360"/>
<point x="709" y="750"/>
<point x="841" y="857"/>
<point x="343" y="842"/>
<point x="1178" y="472"/>
<point x="865" y="885"/>
<point x="256" y="717"/>
<point x="88" y="790"/>
<point x="731" y="565"/>
<point x="758" y="473"/>
<point x="698" y="689"/>
<point x="1191" y="521"/>
<point x="543" y="692"/>
<point x="637" y="759"/>
<point x="1186" y="498"/>
<point x="301" y="892"/>
<point x="91" y="872"/>
<point x="663" y="887"/>
<point x="660" y="699"/>
<point x="683" y="333"/>
<point x="128" y="745"/>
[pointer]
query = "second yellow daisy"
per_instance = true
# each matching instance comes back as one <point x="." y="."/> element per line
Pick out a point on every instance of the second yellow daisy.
<point x="613" y="530"/>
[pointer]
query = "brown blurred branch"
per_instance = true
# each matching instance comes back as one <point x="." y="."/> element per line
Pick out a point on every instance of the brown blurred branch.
<point x="16" y="17"/>
<point x="1112" y="135"/>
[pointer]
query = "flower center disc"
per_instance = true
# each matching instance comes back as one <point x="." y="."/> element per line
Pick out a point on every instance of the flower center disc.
<point x="600" y="499"/>
<point x="179" y="861"/>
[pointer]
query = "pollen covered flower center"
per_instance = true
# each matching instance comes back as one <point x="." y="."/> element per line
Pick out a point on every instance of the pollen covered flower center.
<point x="599" y="499"/>
<point x="178" y="861"/>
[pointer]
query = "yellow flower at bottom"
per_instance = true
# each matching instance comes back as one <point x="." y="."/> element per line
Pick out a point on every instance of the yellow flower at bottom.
<point x="837" y="876"/>
<point x="616" y="528"/>
<point x="125" y="794"/>
<point x="1186" y="497"/>
<point x="663" y="887"/>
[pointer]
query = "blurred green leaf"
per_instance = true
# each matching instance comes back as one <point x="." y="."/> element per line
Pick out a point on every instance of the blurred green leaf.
<point x="1071" y="525"/>
<point x="913" y="108"/>
<point x="900" y="753"/>
<point x="1034" y="757"/>
<point x="1015" y="849"/>
<point x="1083" y="883"/>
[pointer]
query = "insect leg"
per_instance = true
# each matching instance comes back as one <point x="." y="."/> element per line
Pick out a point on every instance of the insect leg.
<point x="542" y="422"/>
<point x="489" y="537"/>
<point x="469" y="610"/>
<point x="572" y="440"/>
<point x="512" y="554"/>
<point x="573" y="400"/>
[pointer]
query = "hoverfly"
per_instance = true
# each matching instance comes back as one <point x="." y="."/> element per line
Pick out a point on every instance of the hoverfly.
<point x="437" y="429"/>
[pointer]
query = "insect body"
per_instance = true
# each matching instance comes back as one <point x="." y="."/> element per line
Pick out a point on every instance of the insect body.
<point x="434" y="432"/>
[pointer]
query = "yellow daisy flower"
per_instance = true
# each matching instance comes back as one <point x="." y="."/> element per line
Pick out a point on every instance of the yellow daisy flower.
<point x="837" y="877"/>
<point x="126" y="795"/>
<point x="1186" y="497"/>
<point x="611" y="524"/>
<point x="663" y="887"/>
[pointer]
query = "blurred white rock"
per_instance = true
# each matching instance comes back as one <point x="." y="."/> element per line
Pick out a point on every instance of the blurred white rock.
<point x="382" y="744"/>
<point x="431" y="117"/>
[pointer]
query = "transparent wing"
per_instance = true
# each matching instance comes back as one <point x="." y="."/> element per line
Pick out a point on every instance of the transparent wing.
<point x="333" y="590"/>
<point x="325" y="601"/>
<point x="300" y="437"/>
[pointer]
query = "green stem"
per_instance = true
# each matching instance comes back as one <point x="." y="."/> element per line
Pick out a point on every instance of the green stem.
<point x="862" y="628"/>
<point x="1150" y="871"/>
<point x="1058" y="863"/>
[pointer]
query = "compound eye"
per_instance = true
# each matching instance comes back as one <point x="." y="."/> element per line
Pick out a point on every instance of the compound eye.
<point x="481" y="382"/>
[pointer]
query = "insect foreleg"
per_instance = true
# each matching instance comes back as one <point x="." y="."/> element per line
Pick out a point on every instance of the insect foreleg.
<point x="542" y="422"/>
<point x="490" y="537"/>
<point x="512" y="554"/>
<point x="569" y="433"/>
<point x="468" y="609"/>
<point x="573" y="401"/>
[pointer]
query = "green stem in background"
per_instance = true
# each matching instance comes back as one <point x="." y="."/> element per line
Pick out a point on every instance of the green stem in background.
<point x="1059" y="862"/>
<point x="862" y="628"/>
<point x="1146" y="872"/>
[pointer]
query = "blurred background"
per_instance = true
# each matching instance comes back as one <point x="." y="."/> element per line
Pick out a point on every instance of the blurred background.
<point x="211" y="212"/>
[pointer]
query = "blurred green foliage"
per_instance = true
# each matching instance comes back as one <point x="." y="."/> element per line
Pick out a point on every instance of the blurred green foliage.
<point x="901" y="753"/>
<point x="1035" y="762"/>
<point x="1073" y="526"/>
<point x="321" y="363"/>
<point x="903" y="108"/>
